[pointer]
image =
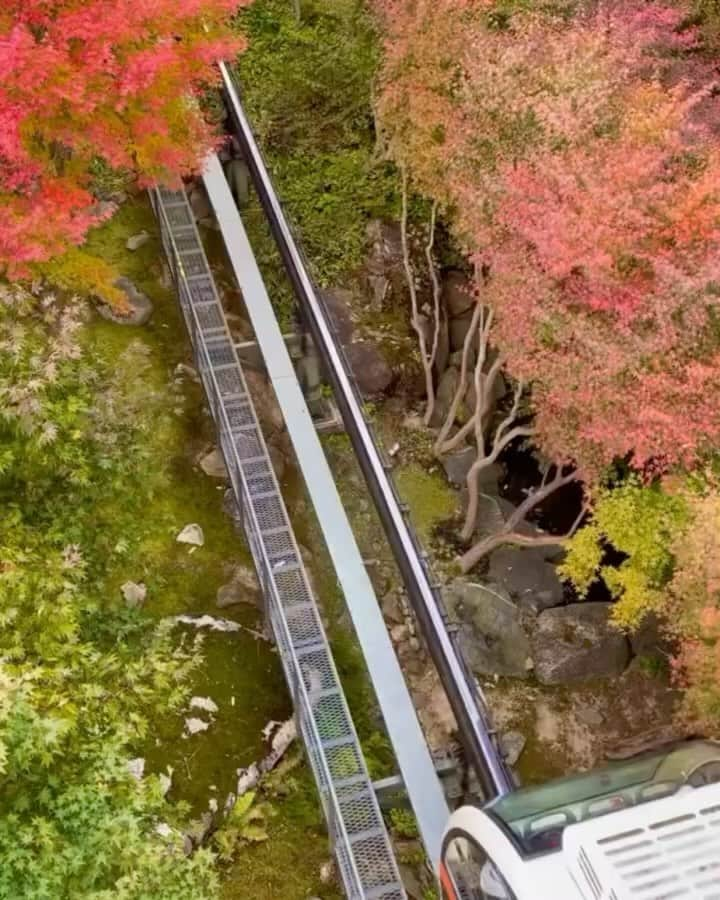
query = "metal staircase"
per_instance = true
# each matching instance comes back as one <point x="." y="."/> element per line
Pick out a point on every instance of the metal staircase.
<point x="357" y="831"/>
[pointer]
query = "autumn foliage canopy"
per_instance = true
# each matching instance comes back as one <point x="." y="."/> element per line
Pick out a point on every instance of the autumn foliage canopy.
<point x="578" y="157"/>
<point x="575" y="150"/>
<point x="88" y="80"/>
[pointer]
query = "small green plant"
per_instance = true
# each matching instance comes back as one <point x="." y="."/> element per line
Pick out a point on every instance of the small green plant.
<point x="245" y="824"/>
<point x="654" y="666"/>
<point x="403" y="823"/>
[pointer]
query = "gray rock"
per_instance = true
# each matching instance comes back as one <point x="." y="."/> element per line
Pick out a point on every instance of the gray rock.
<point x="194" y="725"/>
<point x="207" y="704"/>
<point x="191" y="534"/>
<point x="230" y="508"/>
<point x="512" y="744"/>
<point x="183" y="369"/>
<point x="590" y="716"/>
<point x="231" y="594"/>
<point x="490" y="517"/>
<point x="491" y="633"/>
<point x="499" y="389"/>
<point x="493" y="511"/>
<point x="457" y="294"/>
<point x="199" y="202"/>
<point x="444" y="396"/>
<point x="577" y="643"/>
<point x="242" y="588"/>
<point x="213" y="464"/>
<point x="370" y="368"/>
<point x="339" y="303"/>
<point x="458" y="464"/>
<point x="133" y="593"/>
<point x="392" y="609"/>
<point x="527" y="577"/>
<point x="139" y="309"/>
<point x="104" y="209"/>
<point x="136" y="241"/>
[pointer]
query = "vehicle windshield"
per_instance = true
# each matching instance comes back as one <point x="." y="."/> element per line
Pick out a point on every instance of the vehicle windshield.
<point x="538" y="815"/>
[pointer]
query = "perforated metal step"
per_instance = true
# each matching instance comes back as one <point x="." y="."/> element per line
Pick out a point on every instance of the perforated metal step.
<point x="355" y="824"/>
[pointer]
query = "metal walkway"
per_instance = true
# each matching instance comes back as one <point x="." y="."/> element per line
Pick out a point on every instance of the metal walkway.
<point x="357" y="831"/>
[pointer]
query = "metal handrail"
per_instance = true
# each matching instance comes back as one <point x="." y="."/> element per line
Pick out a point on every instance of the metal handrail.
<point x="464" y="694"/>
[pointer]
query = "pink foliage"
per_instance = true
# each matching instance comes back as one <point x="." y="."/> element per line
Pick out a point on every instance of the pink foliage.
<point x="114" y="79"/>
<point x="580" y="162"/>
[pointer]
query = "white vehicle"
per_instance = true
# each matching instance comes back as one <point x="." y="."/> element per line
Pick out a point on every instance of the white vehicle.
<point x="647" y="827"/>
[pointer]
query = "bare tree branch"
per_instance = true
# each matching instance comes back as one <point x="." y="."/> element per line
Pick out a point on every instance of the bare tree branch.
<point x="508" y="534"/>
<point x="442" y="444"/>
<point x="500" y="442"/>
<point x="436" y="307"/>
<point x="426" y="358"/>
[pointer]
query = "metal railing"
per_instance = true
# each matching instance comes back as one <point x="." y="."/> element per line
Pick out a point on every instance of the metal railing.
<point x="468" y="703"/>
<point x="357" y="831"/>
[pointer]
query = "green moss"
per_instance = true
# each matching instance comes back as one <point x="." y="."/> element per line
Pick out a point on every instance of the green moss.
<point x="241" y="674"/>
<point x="428" y="496"/>
<point x="288" y="864"/>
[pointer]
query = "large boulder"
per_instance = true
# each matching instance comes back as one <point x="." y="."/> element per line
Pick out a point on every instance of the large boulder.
<point x="242" y="588"/>
<point x="492" y="514"/>
<point x="527" y="576"/>
<point x="213" y="463"/>
<point x="491" y="633"/>
<point x="138" y="309"/>
<point x="499" y="389"/>
<point x="370" y="368"/>
<point x="577" y="643"/>
<point x="458" y="464"/>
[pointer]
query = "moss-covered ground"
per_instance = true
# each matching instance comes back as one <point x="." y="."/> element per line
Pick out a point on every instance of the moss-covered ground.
<point x="241" y="674"/>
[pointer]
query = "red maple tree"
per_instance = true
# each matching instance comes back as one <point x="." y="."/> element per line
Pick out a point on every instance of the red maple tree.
<point x="577" y="158"/>
<point x="80" y="80"/>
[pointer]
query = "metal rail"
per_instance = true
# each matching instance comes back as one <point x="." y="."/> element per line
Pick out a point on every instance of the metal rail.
<point x="467" y="702"/>
<point x="357" y="831"/>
